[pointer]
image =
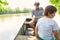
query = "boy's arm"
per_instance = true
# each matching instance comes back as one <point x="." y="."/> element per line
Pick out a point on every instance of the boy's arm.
<point x="36" y="31"/>
<point x="56" y="34"/>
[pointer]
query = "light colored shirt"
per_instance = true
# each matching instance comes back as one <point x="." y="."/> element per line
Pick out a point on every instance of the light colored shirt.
<point x="38" y="13"/>
<point x="45" y="28"/>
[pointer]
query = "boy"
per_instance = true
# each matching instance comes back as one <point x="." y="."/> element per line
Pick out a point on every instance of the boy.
<point x="46" y="28"/>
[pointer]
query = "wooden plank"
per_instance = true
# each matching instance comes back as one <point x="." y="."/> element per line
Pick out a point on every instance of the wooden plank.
<point x="25" y="37"/>
<point x="20" y="26"/>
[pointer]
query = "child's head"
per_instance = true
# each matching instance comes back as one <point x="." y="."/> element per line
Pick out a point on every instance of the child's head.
<point x="50" y="11"/>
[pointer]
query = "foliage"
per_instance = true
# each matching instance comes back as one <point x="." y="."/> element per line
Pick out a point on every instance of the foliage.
<point x="26" y="10"/>
<point x="17" y="10"/>
<point x="56" y="3"/>
<point x="3" y="3"/>
<point x="8" y="10"/>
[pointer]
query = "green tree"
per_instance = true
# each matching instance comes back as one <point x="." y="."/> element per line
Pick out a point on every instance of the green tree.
<point x="9" y="10"/>
<point x="26" y="10"/>
<point x="2" y="3"/>
<point x="56" y="3"/>
<point x="18" y="10"/>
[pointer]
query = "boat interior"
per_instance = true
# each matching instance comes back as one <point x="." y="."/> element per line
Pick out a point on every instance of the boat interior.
<point x="26" y="32"/>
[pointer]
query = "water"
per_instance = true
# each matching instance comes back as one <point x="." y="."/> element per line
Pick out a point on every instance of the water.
<point x="9" y="26"/>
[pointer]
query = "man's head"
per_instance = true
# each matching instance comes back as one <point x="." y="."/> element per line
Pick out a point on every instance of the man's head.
<point x="36" y="4"/>
<point x="50" y="11"/>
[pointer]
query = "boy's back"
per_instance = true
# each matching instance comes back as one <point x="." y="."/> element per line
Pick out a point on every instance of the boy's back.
<point x="45" y="28"/>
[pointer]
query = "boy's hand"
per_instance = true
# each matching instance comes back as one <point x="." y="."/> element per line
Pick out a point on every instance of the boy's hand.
<point x="36" y="31"/>
<point x="56" y="34"/>
<point x="59" y="38"/>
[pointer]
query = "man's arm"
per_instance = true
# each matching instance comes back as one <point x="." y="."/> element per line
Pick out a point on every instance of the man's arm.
<point x="36" y="31"/>
<point x="56" y="34"/>
<point x="32" y="14"/>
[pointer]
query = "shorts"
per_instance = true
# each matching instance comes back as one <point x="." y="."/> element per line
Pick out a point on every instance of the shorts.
<point x="39" y="38"/>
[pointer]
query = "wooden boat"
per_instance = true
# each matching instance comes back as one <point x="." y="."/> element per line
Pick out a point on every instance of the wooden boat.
<point x="23" y="32"/>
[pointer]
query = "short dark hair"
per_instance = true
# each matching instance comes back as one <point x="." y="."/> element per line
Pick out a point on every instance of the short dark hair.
<point x="49" y="9"/>
<point x="36" y="3"/>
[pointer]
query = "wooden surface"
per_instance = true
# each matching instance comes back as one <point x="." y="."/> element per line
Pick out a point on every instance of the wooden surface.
<point x="24" y="37"/>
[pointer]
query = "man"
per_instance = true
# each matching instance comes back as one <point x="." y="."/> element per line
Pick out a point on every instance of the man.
<point x="36" y="14"/>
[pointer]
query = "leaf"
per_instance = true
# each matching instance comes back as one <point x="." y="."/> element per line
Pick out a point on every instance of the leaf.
<point x="5" y="3"/>
<point x="56" y="3"/>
